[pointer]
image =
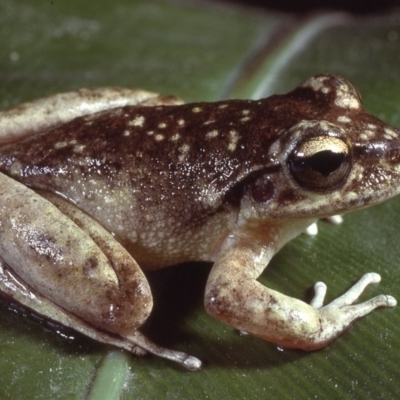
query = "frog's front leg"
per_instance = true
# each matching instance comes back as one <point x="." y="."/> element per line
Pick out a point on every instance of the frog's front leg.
<point x="66" y="267"/>
<point x="234" y="296"/>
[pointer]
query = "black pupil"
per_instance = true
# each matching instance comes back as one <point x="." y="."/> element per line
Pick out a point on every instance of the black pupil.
<point x="324" y="162"/>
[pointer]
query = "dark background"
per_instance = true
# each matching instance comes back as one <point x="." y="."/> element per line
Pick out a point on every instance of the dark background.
<point x="355" y="6"/>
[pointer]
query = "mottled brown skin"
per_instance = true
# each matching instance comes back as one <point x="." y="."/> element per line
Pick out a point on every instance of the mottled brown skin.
<point x="222" y="182"/>
<point x="152" y="170"/>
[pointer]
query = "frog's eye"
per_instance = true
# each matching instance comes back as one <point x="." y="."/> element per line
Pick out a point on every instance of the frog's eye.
<point x="320" y="163"/>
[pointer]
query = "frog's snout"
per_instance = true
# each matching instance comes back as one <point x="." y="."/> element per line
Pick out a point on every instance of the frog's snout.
<point x="392" y="150"/>
<point x="394" y="157"/>
<point x="385" y="148"/>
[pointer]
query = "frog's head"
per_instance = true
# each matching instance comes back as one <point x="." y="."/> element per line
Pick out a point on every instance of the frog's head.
<point x="334" y="159"/>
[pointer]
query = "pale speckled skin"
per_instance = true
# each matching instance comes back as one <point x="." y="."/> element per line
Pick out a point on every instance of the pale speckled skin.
<point x="172" y="182"/>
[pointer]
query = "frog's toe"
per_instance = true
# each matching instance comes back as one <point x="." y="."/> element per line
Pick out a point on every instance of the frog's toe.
<point x="391" y="301"/>
<point x="346" y="315"/>
<point x="356" y="290"/>
<point x="338" y="315"/>
<point x="311" y="230"/>
<point x="335" y="219"/>
<point x="345" y="309"/>
<point x="319" y="296"/>
<point x="388" y="301"/>
<point x="348" y="298"/>
<point x="185" y="360"/>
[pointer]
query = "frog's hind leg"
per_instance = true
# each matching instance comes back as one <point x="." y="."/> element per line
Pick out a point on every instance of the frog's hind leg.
<point x="66" y="267"/>
<point x="16" y="291"/>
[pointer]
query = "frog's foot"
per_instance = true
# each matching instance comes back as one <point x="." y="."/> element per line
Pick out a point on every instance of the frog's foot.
<point x="346" y="300"/>
<point x="312" y="230"/>
<point x="140" y="345"/>
<point x="189" y="362"/>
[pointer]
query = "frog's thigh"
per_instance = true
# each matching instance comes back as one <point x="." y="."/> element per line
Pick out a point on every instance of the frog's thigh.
<point x="18" y="292"/>
<point x="93" y="278"/>
<point x="234" y="296"/>
<point x="12" y="287"/>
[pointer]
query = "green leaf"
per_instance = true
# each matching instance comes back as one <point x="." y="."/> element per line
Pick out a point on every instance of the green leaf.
<point x="207" y="51"/>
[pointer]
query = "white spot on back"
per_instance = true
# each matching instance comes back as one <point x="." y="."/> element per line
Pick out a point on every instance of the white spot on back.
<point x="233" y="139"/>
<point x="181" y="122"/>
<point x="212" y="134"/>
<point x="60" y="145"/>
<point x="162" y="125"/>
<point x="345" y="99"/>
<point x="347" y="102"/>
<point x="184" y="150"/>
<point x="316" y="83"/>
<point x="388" y="137"/>
<point x="137" y="121"/>
<point x="159" y="137"/>
<point x="368" y="133"/>
<point x="196" y="109"/>
<point x="79" y="148"/>
<point x="391" y="133"/>
<point x="344" y="119"/>
<point x="175" y="137"/>
<point x="210" y="121"/>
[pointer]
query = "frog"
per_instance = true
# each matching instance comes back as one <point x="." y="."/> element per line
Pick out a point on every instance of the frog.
<point x="99" y="186"/>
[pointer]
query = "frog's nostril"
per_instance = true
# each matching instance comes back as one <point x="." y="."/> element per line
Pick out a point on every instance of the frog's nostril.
<point x="395" y="156"/>
<point x="392" y="154"/>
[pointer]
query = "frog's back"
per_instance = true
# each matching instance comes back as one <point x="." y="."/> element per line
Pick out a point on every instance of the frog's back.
<point x="147" y="172"/>
<point x="151" y="175"/>
<point x="193" y="154"/>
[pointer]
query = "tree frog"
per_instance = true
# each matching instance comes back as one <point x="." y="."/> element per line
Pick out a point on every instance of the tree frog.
<point x="98" y="185"/>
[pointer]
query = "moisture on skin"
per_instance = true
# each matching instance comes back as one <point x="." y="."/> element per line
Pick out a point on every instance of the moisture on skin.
<point x="149" y="182"/>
